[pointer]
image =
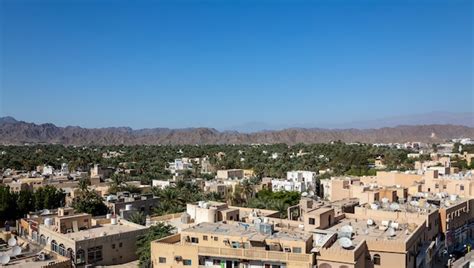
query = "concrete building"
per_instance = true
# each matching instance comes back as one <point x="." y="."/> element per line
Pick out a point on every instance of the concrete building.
<point x="307" y="177"/>
<point x="126" y="204"/>
<point x="233" y="245"/>
<point x="230" y="174"/>
<point x="100" y="172"/>
<point x="288" y="185"/>
<point x="87" y="241"/>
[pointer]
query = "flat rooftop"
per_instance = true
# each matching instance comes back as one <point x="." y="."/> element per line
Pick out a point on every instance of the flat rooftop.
<point x="250" y="232"/>
<point x="102" y="230"/>
<point x="361" y="231"/>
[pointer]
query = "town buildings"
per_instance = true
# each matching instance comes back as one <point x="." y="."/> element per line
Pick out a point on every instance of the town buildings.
<point x="85" y="240"/>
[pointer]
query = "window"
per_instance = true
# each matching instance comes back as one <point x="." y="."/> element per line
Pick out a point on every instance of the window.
<point x="444" y="186"/>
<point x="94" y="254"/>
<point x="216" y="262"/>
<point x="311" y="221"/>
<point x="113" y="246"/>
<point x="204" y="238"/>
<point x="194" y="240"/>
<point x="296" y="250"/>
<point x="216" y="238"/>
<point x="436" y="186"/>
<point x="162" y="260"/>
<point x="54" y="246"/>
<point x="461" y="187"/>
<point x="80" y="257"/>
<point x="62" y="250"/>
<point x="376" y="259"/>
<point x="120" y="244"/>
<point x="187" y="262"/>
<point x="86" y="220"/>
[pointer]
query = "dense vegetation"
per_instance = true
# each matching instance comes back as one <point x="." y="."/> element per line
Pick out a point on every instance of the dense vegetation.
<point x="173" y="199"/>
<point x="17" y="205"/>
<point x="88" y="201"/>
<point x="143" y="243"/>
<point x="150" y="161"/>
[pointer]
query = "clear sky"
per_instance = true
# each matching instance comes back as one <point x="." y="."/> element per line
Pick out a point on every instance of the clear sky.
<point x="224" y="63"/>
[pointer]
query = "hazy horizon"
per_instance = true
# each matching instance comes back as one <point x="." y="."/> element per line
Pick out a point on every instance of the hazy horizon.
<point x="434" y="118"/>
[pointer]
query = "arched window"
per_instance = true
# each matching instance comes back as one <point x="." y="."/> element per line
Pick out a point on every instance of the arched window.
<point x="376" y="259"/>
<point x="62" y="250"/>
<point x="70" y="253"/>
<point x="54" y="246"/>
<point x="42" y="240"/>
<point x="80" y="256"/>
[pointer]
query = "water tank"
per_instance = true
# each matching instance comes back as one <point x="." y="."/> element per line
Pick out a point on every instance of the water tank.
<point x="128" y="207"/>
<point x="111" y="198"/>
<point x="48" y="221"/>
<point x="108" y="216"/>
<point x="113" y="221"/>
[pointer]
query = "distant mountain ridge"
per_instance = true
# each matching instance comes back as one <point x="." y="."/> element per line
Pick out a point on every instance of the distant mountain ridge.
<point x="18" y="132"/>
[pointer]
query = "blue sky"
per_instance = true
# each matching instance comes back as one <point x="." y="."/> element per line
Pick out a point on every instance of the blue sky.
<point x="226" y="63"/>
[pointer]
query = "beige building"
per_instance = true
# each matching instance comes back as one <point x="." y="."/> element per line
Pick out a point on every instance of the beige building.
<point x="83" y="239"/>
<point x="461" y="184"/>
<point x="233" y="245"/>
<point x="230" y="174"/>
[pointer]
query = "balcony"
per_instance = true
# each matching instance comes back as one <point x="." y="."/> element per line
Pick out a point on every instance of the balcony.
<point x="252" y="254"/>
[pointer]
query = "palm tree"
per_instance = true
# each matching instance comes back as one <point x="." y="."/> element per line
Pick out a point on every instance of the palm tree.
<point x="171" y="201"/>
<point x="247" y="190"/>
<point x="115" y="185"/>
<point x="138" y="218"/>
<point x="143" y="242"/>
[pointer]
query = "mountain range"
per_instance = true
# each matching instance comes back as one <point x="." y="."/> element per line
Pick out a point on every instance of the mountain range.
<point x="14" y="132"/>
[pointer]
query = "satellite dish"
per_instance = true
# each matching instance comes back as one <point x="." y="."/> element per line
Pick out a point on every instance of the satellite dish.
<point x="16" y="251"/>
<point x="311" y="193"/>
<point x="12" y="242"/>
<point x="5" y="259"/>
<point x="347" y="229"/>
<point x="394" y="206"/>
<point x="304" y="194"/>
<point x="41" y="257"/>
<point x="345" y="242"/>
<point x="370" y="222"/>
<point x="374" y="206"/>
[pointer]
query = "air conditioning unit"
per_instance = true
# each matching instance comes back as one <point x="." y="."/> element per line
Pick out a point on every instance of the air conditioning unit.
<point x="178" y="258"/>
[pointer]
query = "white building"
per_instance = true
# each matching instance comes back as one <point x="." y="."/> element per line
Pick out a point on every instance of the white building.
<point x="160" y="184"/>
<point x="64" y="169"/>
<point x="180" y="165"/>
<point x="308" y="178"/>
<point x="48" y="170"/>
<point x="287" y="185"/>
